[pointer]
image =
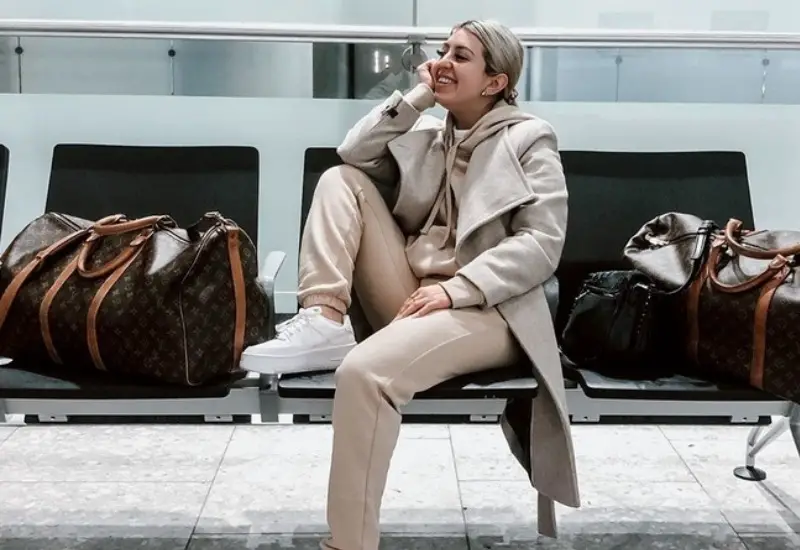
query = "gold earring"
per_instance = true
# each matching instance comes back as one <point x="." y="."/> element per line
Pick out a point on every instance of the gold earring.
<point x="483" y="93"/>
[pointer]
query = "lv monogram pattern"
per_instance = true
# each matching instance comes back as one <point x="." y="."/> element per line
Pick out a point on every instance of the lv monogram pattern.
<point x="170" y="318"/>
<point x="727" y="321"/>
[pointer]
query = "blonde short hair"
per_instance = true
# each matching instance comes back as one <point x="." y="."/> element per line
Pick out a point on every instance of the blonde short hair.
<point x="503" y="52"/>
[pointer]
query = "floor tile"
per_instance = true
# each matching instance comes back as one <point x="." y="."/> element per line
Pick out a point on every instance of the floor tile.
<point x="102" y="543"/>
<point x="425" y="431"/>
<point x="617" y="541"/>
<point x="270" y="493"/>
<point x="729" y="453"/>
<point x="644" y="515"/>
<point x="626" y="453"/>
<point x="6" y="431"/>
<point x="706" y="433"/>
<point x="482" y="453"/>
<point x="90" y="511"/>
<point x="264" y="453"/>
<point x="602" y="453"/>
<point x="113" y="453"/>
<point x="771" y="506"/>
<point x="786" y="541"/>
<point x="282" y="542"/>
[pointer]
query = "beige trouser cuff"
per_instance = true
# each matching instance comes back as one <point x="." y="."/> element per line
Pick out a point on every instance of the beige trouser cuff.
<point x="325" y="300"/>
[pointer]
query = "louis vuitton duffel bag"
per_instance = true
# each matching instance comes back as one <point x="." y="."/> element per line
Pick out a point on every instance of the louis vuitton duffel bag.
<point x="739" y="313"/>
<point x="142" y="298"/>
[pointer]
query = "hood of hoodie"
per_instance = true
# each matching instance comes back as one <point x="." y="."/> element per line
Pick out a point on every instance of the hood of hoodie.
<point x="500" y="117"/>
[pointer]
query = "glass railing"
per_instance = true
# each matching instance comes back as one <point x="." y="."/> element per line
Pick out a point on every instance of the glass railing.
<point x="370" y="61"/>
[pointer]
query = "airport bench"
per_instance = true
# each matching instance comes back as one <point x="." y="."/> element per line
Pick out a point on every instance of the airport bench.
<point x="89" y="180"/>
<point x="612" y="194"/>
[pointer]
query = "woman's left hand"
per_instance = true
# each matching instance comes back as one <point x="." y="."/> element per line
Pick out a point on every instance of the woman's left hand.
<point x="424" y="300"/>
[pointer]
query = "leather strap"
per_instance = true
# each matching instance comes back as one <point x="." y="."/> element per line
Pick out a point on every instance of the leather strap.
<point x="113" y="265"/>
<point x="120" y="227"/>
<point x="240" y="298"/>
<point x="44" y="309"/>
<point x="732" y="233"/>
<point x="775" y="267"/>
<point x="11" y="291"/>
<point x="692" y="312"/>
<point x="760" y="326"/>
<point x="94" y="309"/>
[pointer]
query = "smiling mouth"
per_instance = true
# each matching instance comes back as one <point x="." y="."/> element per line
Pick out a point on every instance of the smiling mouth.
<point x="445" y="80"/>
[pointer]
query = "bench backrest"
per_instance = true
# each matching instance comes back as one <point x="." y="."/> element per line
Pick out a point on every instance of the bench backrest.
<point x="612" y="194"/>
<point x="315" y="162"/>
<point x="92" y="181"/>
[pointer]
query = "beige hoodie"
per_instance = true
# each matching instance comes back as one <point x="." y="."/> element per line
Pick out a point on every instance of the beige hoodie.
<point x="431" y="253"/>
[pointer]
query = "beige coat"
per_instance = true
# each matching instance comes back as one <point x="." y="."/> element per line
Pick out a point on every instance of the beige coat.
<point x="509" y="237"/>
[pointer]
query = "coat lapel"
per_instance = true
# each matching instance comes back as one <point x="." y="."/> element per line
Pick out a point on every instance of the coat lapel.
<point x="420" y="159"/>
<point x="494" y="185"/>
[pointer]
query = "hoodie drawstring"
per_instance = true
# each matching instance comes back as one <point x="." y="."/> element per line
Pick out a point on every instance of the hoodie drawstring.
<point x="445" y="194"/>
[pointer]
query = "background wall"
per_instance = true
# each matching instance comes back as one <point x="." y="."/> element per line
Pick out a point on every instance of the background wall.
<point x="269" y="95"/>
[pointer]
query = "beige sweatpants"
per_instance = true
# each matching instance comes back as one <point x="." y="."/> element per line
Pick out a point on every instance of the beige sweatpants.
<point x="351" y="236"/>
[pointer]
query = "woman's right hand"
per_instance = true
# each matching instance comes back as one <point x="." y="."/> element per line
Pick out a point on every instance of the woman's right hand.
<point x="426" y="71"/>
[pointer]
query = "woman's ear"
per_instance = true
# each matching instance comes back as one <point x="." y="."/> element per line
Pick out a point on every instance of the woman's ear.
<point x="497" y="84"/>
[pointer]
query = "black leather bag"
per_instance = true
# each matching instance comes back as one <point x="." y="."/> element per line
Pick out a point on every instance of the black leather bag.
<point x="611" y="320"/>
<point x="622" y="319"/>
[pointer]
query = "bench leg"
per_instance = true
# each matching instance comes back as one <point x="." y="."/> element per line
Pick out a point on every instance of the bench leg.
<point x="749" y="472"/>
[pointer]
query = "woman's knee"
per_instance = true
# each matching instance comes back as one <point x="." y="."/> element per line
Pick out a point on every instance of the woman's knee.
<point x="355" y="369"/>
<point x="341" y="178"/>
<point x="366" y="372"/>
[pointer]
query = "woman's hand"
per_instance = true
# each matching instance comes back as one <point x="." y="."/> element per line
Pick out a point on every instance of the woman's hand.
<point x="426" y="73"/>
<point x="423" y="301"/>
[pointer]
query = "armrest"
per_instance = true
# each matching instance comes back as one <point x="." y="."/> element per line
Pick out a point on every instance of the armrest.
<point x="269" y="271"/>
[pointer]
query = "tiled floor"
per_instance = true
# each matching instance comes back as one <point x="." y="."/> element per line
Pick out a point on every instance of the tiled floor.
<point x="260" y="487"/>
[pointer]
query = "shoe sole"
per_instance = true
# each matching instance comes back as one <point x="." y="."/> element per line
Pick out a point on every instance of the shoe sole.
<point x="319" y="359"/>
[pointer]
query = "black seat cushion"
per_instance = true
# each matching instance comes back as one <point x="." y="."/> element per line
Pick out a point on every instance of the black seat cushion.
<point x="674" y="387"/>
<point x="502" y="383"/>
<point x="28" y="381"/>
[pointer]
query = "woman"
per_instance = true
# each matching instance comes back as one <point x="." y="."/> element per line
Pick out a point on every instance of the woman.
<point x="450" y="278"/>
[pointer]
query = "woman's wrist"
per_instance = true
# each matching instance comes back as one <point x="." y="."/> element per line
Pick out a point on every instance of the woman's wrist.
<point x="420" y="97"/>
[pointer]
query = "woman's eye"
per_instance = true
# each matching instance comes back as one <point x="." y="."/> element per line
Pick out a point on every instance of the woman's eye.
<point x="440" y="53"/>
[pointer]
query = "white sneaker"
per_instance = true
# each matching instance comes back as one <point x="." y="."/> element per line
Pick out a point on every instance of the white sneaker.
<point x="306" y="342"/>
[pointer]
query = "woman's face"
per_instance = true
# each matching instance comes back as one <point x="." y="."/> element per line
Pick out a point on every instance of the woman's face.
<point x="460" y="73"/>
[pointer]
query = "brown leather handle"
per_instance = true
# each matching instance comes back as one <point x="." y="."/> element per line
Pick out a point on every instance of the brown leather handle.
<point x="120" y="227"/>
<point x="733" y="230"/>
<point x="100" y="271"/>
<point x="11" y="291"/>
<point x="776" y="266"/>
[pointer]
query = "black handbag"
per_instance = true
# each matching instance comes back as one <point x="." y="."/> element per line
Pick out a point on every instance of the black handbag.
<point x="622" y="319"/>
<point x="611" y="320"/>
